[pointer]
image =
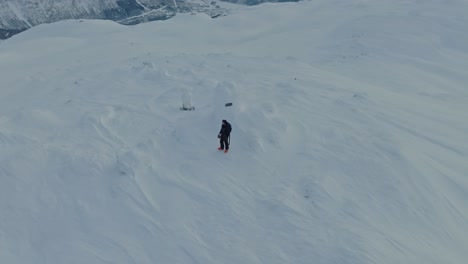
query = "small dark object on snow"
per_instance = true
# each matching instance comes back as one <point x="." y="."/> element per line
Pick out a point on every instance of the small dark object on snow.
<point x="187" y="108"/>
<point x="228" y="104"/>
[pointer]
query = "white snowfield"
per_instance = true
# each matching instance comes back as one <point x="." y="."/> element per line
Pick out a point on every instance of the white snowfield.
<point x="349" y="140"/>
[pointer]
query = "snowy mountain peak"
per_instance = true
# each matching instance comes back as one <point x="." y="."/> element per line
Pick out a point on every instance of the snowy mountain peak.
<point x="16" y="16"/>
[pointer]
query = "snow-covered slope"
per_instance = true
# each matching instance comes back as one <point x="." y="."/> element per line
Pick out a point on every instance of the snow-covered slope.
<point x="26" y="13"/>
<point x="19" y="15"/>
<point x="349" y="140"/>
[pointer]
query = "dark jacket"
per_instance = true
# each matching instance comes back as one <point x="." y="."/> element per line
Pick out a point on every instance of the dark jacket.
<point x="225" y="131"/>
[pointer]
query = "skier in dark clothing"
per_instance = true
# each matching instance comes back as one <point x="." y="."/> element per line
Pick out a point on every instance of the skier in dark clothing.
<point x="223" y="136"/>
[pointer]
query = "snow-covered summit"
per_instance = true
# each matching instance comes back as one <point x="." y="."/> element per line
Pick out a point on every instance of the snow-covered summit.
<point x="348" y="146"/>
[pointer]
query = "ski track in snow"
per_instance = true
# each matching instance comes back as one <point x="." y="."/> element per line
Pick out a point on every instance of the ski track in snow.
<point x="348" y="142"/>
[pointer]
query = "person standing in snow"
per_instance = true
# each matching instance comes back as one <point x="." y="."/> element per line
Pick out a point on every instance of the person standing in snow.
<point x="223" y="136"/>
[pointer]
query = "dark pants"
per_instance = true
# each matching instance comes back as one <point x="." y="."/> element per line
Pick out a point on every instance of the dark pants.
<point x="223" y="141"/>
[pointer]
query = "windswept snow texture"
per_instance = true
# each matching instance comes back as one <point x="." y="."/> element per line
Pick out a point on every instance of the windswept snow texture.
<point x="349" y="140"/>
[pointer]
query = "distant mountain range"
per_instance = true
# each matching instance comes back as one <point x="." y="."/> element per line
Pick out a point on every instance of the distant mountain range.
<point x="19" y="15"/>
